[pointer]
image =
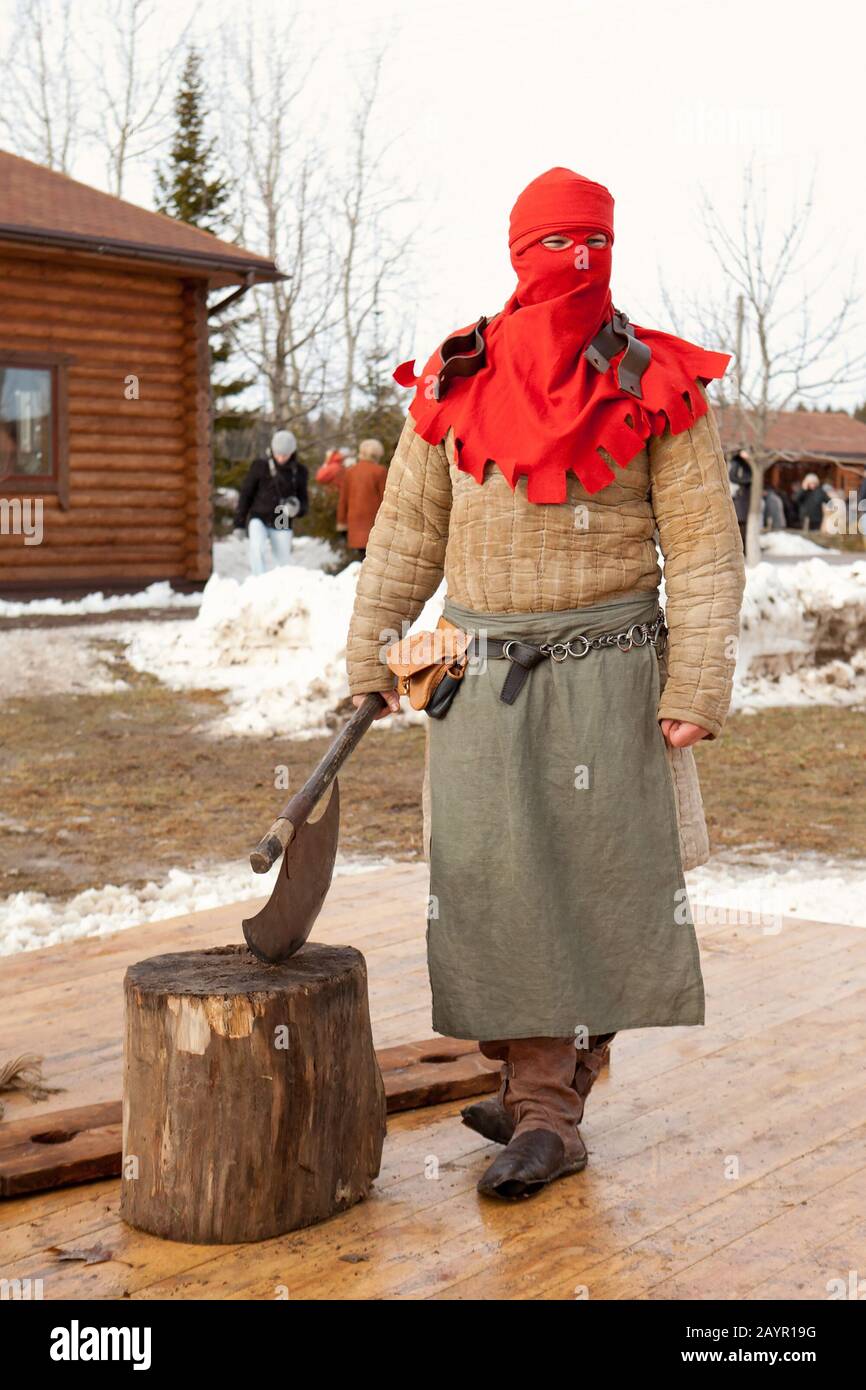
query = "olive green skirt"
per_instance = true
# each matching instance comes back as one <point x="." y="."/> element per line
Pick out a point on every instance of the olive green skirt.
<point x="557" y="900"/>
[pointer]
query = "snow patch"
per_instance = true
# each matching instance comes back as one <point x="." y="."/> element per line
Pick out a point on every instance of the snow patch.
<point x="793" y="543"/>
<point x="68" y="660"/>
<point x="31" y="920"/>
<point x="802" y="636"/>
<point x="761" y="888"/>
<point x="757" y="890"/>
<point x="159" y="595"/>
<point x="230" y="557"/>
<point x="275" y="644"/>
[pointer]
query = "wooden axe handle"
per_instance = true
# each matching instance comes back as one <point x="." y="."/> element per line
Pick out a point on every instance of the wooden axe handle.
<point x="297" y="811"/>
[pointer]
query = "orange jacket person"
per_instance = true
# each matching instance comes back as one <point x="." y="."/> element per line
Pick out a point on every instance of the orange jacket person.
<point x="362" y="487"/>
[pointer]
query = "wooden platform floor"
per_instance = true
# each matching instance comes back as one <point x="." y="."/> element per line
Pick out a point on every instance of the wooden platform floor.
<point x="726" y="1162"/>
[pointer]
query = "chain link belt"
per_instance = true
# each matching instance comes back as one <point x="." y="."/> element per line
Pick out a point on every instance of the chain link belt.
<point x="524" y="656"/>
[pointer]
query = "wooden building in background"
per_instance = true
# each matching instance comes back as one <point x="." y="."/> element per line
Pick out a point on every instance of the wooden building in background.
<point x="829" y="443"/>
<point x="105" y="413"/>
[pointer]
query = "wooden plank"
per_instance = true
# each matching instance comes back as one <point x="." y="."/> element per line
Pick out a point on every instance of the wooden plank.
<point x="66" y="553"/>
<point x="60" y="1148"/>
<point x="80" y="571"/>
<point x="112" y="352"/>
<point x="117" y="308"/>
<point x="170" y="377"/>
<point x="166" y="445"/>
<point x="150" y="417"/>
<point x="100" y="462"/>
<point x="64" y="273"/>
<point x="83" y="515"/>
<point x="136" y="492"/>
<point x="31" y="315"/>
<point x="406" y="1234"/>
<point x="98" y="385"/>
<point x="95" y="337"/>
<point x="113" y="514"/>
<point x="472" y="1250"/>
<point x="433" y="1071"/>
<point x="148" y="538"/>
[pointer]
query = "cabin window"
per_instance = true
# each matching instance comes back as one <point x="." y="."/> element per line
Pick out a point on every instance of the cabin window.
<point x="33" y="425"/>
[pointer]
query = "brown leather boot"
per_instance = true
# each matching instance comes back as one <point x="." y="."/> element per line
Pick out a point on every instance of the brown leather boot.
<point x="540" y="1098"/>
<point x="491" y="1120"/>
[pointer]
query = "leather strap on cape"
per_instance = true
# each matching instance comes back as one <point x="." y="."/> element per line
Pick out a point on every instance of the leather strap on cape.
<point x="463" y="354"/>
<point x="608" y="341"/>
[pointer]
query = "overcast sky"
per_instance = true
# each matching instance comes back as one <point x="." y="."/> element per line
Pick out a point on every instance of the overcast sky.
<point x="657" y="99"/>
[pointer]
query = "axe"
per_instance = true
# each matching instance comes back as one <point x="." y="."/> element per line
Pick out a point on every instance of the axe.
<point x="308" y="849"/>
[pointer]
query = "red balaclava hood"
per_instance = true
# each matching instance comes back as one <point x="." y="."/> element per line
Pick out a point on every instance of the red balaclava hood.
<point x="538" y="408"/>
<point x="560" y="201"/>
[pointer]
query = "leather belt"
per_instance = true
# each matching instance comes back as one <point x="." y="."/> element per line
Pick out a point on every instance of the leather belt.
<point x="524" y="656"/>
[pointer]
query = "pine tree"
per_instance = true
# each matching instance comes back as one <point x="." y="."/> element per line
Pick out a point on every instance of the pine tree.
<point x="189" y="188"/>
<point x="186" y="187"/>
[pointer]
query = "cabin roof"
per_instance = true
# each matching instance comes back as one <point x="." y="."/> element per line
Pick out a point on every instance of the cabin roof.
<point x="798" y="434"/>
<point x="42" y="207"/>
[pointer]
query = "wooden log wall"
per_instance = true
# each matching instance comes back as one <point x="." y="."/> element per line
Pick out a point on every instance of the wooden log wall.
<point x="139" y="469"/>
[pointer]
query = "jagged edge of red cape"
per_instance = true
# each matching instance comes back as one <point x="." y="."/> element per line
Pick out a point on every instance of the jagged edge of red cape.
<point x="670" y="399"/>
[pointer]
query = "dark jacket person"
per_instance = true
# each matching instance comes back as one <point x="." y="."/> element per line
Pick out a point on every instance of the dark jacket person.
<point x="811" y="501"/>
<point x="273" y="495"/>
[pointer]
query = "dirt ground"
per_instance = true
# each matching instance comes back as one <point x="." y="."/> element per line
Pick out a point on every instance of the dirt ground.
<point x="121" y="786"/>
<point x="788" y="779"/>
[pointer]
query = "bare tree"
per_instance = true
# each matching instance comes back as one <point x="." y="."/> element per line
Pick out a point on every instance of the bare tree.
<point x="40" y="115"/>
<point x="765" y="316"/>
<point x="132" y="87"/>
<point x="370" y="260"/>
<point x="281" y="184"/>
<point x="324" y="221"/>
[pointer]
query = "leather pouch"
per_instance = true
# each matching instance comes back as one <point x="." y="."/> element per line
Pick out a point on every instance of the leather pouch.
<point x="429" y="666"/>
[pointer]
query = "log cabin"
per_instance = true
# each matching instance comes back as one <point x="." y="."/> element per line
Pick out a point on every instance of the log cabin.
<point x="827" y="442"/>
<point x="105" y="402"/>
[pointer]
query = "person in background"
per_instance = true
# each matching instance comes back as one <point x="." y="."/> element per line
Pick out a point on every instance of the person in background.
<point x="331" y="471"/>
<point x="774" y="510"/>
<point x="362" y="488"/>
<point x="792" y="516"/>
<point x="811" y="501"/>
<point x="273" y="496"/>
<point x="740" y="476"/>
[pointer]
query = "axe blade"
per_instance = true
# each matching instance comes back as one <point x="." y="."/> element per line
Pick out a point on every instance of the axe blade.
<point x="304" y="877"/>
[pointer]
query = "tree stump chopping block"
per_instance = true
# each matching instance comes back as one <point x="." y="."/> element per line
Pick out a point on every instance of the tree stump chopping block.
<point x="253" y="1103"/>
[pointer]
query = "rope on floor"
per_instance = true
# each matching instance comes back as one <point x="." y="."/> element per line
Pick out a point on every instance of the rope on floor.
<point x="24" y="1073"/>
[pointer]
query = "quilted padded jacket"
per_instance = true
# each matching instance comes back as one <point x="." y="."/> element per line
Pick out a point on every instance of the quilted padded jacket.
<point x="500" y="553"/>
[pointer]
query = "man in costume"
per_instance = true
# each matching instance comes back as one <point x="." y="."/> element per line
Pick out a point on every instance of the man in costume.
<point x="543" y="450"/>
